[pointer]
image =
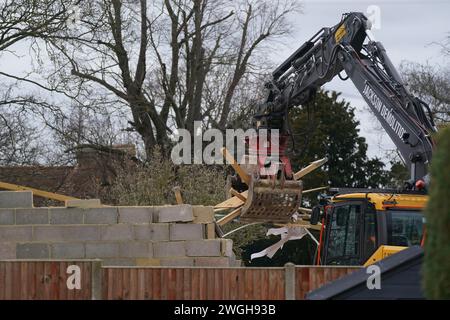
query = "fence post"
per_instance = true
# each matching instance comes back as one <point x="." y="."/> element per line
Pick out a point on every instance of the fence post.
<point x="289" y="281"/>
<point x="96" y="280"/>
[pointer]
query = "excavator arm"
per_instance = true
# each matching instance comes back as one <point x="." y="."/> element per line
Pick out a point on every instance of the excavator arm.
<point x="348" y="47"/>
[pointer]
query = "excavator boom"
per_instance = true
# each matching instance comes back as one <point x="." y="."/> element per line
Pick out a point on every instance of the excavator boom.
<point x="347" y="47"/>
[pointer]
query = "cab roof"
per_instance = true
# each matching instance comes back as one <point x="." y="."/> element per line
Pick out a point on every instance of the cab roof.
<point x="385" y="200"/>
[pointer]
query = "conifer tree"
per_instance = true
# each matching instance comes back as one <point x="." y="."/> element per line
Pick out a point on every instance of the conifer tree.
<point x="437" y="247"/>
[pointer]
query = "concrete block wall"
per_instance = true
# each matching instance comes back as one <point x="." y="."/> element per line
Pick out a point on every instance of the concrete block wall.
<point x="147" y="236"/>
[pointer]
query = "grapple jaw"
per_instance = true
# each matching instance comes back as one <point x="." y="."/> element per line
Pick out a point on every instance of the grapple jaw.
<point x="271" y="200"/>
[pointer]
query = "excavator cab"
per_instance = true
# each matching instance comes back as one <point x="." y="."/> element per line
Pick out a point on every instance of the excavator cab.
<point x="358" y="226"/>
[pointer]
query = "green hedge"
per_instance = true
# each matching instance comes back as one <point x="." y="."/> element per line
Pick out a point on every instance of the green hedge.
<point x="437" y="242"/>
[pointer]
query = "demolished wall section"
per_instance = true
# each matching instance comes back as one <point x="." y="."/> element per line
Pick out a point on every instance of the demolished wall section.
<point x="181" y="235"/>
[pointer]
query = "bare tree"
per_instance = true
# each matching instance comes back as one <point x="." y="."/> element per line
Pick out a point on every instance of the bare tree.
<point x="19" y="141"/>
<point x="432" y="85"/>
<point x="31" y="20"/>
<point x="21" y="19"/>
<point x="24" y="21"/>
<point x="169" y="63"/>
<point x="75" y="126"/>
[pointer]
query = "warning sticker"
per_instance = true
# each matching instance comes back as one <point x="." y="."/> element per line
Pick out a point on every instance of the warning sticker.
<point x="340" y="33"/>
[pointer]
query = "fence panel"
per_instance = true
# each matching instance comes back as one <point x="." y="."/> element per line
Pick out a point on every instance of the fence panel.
<point x="35" y="280"/>
<point x="309" y="278"/>
<point x="193" y="283"/>
<point x="42" y="280"/>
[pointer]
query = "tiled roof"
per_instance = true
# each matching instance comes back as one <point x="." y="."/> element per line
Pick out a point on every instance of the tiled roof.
<point x="94" y="169"/>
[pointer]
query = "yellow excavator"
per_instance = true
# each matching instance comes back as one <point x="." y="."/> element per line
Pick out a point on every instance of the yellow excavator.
<point x="361" y="227"/>
<point x="357" y="227"/>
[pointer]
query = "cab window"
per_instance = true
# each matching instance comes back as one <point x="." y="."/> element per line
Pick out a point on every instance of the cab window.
<point x="344" y="235"/>
<point x="405" y="228"/>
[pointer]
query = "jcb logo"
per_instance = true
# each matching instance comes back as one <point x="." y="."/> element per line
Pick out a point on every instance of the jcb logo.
<point x="374" y="280"/>
<point x="74" y="280"/>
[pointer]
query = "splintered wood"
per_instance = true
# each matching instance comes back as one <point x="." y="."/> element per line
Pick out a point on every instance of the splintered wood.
<point x="267" y="200"/>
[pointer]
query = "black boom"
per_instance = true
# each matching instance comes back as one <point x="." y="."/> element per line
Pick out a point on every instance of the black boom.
<point x="343" y="47"/>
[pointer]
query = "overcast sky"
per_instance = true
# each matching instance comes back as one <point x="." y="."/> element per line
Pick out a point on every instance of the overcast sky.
<point x="408" y="29"/>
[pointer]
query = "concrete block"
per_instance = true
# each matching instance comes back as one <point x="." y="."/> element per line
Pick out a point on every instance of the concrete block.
<point x="169" y="249"/>
<point x="32" y="216"/>
<point x="136" y="249"/>
<point x="16" y="199"/>
<point x="153" y="231"/>
<point x="148" y="262"/>
<point x="102" y="250"/>
<point x="117" y="232"/>
<point x="177" y="262"/>
<point x="227" y="247"/>
<point x="66" y="216"/>
<point x="210" y="231"/>
<point x="179" y="213"/>
<point x="83" y="203"/>
<point x="119" y="262"/>
<point x="32" y="251"/>
<point x="203" y="214"/>
<point x="107" y="215"/>
<point x="135" y="215"/>
<point x="203" y="248"/>
<point x="236" y="263"/>
<point x="7" y="216"/>
<point x="211" y="262"/>
<point x="186" y="231"/>
<point x="67" y="250"/>
<point x="15" y="233"/>
<point x="66" y="233"/>
<point x="7" y="250"/>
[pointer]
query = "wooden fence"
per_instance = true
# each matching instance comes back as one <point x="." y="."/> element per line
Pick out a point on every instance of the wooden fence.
<point x="49" y="280"/>
<point x="43" y="280"/>
<point x="310" y="278"/>
<point x="194" y="283"/>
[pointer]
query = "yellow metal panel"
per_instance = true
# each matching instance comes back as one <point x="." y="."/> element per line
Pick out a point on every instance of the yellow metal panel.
<point x="383" y="252"/>
<point x="388" y="200"/>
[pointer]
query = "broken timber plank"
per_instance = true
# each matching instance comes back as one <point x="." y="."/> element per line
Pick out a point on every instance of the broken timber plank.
<point x="305" y="210"/>
<point x="232" y="202"/>
<point x="237" y="194"/>
<point x="311" y="167"/>
<point x="301" y="223"/>
<point x="316" y="189"/>
<point x="242" y="174"/>
<point x="84" y="203"/>
<point x="178" y="197"/>
<point x="36" y="192"/>
<point x="229" y="217"/>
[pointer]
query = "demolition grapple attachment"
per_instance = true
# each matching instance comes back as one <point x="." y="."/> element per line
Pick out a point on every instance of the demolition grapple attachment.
<point x="271" y="200"/>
